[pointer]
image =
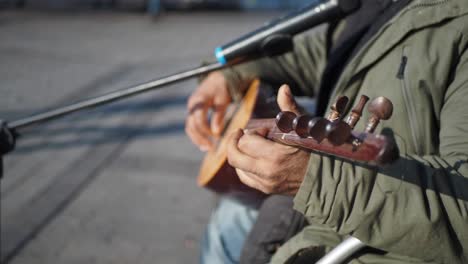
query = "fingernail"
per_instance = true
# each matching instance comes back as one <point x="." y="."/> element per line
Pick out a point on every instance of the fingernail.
<point x="287" y="91"/>
<point x="216" y="130"/>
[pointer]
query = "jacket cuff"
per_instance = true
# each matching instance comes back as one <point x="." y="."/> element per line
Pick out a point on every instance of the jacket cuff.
<point x="236" y="84"/>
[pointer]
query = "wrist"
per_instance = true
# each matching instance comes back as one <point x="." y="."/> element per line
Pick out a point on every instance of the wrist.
<point x="236" y="85"/>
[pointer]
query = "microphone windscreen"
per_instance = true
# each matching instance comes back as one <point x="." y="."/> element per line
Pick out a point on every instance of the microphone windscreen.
<point x="275" y="38"/>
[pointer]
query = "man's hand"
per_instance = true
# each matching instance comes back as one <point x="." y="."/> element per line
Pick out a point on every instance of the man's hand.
<point x="266" y="165"/>
<point x="211" y="95"/>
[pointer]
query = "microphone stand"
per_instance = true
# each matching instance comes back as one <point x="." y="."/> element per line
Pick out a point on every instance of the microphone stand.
<point x="8" y="130"/>
<point x="7" y="142"/>
<point x="113" y="96"/>
<point x="270" y="40"/>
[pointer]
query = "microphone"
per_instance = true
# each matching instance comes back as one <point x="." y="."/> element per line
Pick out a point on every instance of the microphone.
<point x="275" y="38"/>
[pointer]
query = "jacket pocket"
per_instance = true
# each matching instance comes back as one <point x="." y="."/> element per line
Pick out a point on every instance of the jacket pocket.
<point x="408" y="98"/>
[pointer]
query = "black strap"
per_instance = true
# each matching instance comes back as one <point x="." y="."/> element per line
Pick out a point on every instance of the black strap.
<point x="277" y="222"/>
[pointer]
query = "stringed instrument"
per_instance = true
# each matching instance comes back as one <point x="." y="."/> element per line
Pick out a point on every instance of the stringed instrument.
<point x="330" y="136"/>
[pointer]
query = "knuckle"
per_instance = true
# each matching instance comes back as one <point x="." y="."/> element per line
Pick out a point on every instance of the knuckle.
<point x="230" y="157"/>
<point x="277" y="159"/>
<point x="262" y="189"/>
<point x="194" y="99"/>
<point x="243" y="178"/>
<point x="271" y="185"/>
<point x="267" y="190"/>
<point x="242" y="143"/>
<point x="201" y="125"/>
<point x="231" y="162"/>
<point x="284" y="151"/>
<point x="270" y="171"/>
<point x="276" y="188"/>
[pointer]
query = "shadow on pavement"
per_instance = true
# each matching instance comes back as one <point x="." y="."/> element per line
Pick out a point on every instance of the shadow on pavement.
<point x="96" y="133"/>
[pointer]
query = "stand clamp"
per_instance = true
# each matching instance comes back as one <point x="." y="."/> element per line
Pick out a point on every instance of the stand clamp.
<point x="7" y="142"/>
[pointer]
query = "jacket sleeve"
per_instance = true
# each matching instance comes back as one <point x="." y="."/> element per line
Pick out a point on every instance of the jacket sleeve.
<point x="417" y="207"/>
<point x="300" y="68"/>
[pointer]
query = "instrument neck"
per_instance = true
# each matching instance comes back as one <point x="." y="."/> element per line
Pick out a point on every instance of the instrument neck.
<point x="256" y="123"/>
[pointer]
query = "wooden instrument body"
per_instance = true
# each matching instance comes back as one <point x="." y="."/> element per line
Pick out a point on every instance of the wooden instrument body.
<point x="215" y="172"/>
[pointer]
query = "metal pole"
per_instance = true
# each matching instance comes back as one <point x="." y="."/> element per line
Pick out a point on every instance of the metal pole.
<point x="343" y="251"/>
<point x="113" y="96"/>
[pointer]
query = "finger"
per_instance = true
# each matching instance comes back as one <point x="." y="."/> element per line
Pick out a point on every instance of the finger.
<point x="196" y="101"/>
<point x="221" y="102"/>
<point x="262" y="131"/>
<point x="200" y="120"/>
<point x="217" y="119"/>
<point x="256" y="181"/>
<point x="197" y="110"/>
<point x="236" y="158"/>
<point x="258" y="147"/>
<point x="253" y="181"/>
<point x="200" y="139"/>
<point x="247" y="180"/>
<point x="195" y="104"/>
<point x="286" y="100"/>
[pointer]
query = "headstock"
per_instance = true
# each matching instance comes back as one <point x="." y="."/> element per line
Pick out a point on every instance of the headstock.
<point x="334" y="136"/>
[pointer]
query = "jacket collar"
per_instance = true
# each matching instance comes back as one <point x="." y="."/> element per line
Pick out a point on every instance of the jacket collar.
<point x="418" y="14"/>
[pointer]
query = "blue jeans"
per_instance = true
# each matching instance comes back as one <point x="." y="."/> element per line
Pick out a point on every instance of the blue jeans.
<point x="226" y="232"/>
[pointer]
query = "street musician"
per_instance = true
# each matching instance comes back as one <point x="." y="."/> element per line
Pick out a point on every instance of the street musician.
<point x="414" y="52"/>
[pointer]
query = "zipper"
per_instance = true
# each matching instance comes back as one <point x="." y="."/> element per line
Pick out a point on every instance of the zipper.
<point x="409" y="103"/>
<point x="401" y="70"/>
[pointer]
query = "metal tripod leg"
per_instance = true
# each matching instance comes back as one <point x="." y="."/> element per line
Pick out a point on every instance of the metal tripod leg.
<point x="343" y="251"/>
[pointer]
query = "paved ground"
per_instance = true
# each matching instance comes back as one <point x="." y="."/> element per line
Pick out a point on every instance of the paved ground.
<point x="115" y="184"/>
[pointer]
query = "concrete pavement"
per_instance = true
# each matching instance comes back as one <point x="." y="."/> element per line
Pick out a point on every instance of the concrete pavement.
<point x="115" y="184"/>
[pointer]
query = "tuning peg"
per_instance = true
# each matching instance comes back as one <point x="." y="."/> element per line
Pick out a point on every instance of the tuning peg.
<point x="380" y="108"/>
<point x="356" y="113"/>
<point x="338" y="108"/>
<point x="284" y="121"/>
<point x="317" y="128"/>
<point x="300" y="125"/>
<point x="338" y="132"/>
<point x="323" y="128"/>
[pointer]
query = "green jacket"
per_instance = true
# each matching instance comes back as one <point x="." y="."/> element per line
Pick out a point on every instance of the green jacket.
<point x="416" y="210"/>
